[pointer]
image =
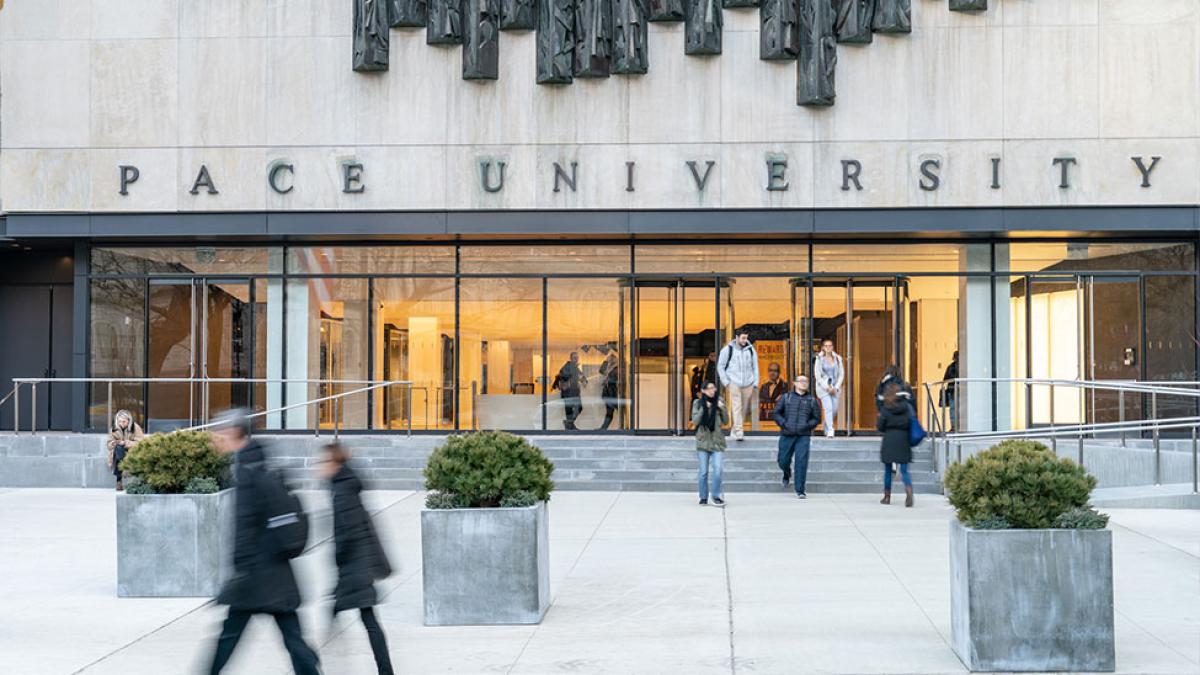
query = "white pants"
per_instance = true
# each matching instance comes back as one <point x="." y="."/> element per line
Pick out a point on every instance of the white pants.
<point x="741" y="399"/>
<point x="829" y="408"/>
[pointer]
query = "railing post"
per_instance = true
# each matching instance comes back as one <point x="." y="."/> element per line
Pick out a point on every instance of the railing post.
<point x="110" y="405"/>
<point x="1121" y="413"/>
<point x="33" y="410"/>
<point x="337" y="420"/>
<point x="16" y="409"/>
<point x="1081" y="449"/>
<point x="1053" y="436"/>
<point x="1195" y="464"/>
<point x="1157" y="444"/>
<point x="410" y="396"/>
<point x="474" y="405"/>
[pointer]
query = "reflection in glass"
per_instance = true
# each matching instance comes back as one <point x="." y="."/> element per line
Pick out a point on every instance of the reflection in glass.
<point x="1171" y="338"/>
<point x="527" y="259"/>
<point x="501" y="381"/>
<point x="118" y="322"/>
<point x="327" y="340"/>
<point x="414" y="337"/>
<point x="198" y="260"/>
<point x="584" y="319"/>
<point x="370" y="260"/>
<point x="762" y="305"/>
<point x="721" y="258"/>
<point x="171" y="353"/>
<point x="1085" y="256"/>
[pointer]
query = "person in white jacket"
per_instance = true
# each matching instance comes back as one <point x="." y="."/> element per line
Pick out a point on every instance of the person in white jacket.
<point x="829" y="373"/>
<point x="738" y="370"/>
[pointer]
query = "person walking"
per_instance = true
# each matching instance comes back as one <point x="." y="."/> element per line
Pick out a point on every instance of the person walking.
<point x="708" y="415"/>
<point x="829" y="372"/>
<point x="891" y="375"/>
<point x="738" y="369"/>
<point x="262" y="580"/>
<point x="610" y="390"/>
<point x="895" y="420"/>
<point x="949" y="400"/>
<point x="125" y="434"/>
<point x="570" y="382"/>
<point x="797" y="414"/>
<point x="359" y="556"/>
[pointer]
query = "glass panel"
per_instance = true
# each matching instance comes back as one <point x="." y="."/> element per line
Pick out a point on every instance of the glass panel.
<point x="829" y="323"/>
<point x="1055" y="350"/>
<point x="872" y="345"/>
<point x="584" y="320"/>
<point x="1113" y="343"/>
<point x="762" y="305"/>
<point x="267" y="330"/>
<point x="200" y="260"/>
<point x="172" y="354"/>
<point x="931" y="333"/>
<point x="721" y="258"/>
<point x="327" y="340"/>
<point x="895" y="258"/>
<point x="414" y="337"/>
<point x="529" y="259"/>
<point x="1082" y="256"/>
<point x="118" y="342"/>
<point x="370" y="260"/>
<point x="501" y="371"/>
<point x="1018" y="315"/>
<point x="227" y="333"/>
<point x="1170" y="338"/>
<point x="701" y="342"/>
<point x="655" y="350"/>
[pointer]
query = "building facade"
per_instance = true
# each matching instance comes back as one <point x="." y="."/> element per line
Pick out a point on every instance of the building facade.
<point x="293" y="190"/>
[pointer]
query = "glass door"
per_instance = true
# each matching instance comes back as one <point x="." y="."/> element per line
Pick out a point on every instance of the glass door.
<point x="1112" y="345"/>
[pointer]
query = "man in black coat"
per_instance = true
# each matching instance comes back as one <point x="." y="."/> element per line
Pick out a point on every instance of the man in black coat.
<point x="797" y="414"/>
<point x="570" y="382"/>
<point x="262" y="581"/>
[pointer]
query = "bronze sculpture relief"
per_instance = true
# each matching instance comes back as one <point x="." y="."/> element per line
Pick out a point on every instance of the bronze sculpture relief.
<point x="818" y="54"/>
<point x="370" y="35"/>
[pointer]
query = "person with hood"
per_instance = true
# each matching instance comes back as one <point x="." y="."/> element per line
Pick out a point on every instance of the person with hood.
<point x="359" y="556"/>
<point x="895" y="419"/>
<point x="738" y="368"/>
<point x="891" y="375"/>
<point x="829" y="372"/>
<point x="125" y="434"/>
<point x="262" y="581"/>
<point x="797" y="414"/>
<point x="708" y="415"/>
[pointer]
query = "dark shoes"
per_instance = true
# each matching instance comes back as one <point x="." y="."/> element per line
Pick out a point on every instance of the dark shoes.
<point x="120" y="486"/>
<point x="718" y="501"/>
<point x="908" y="496"/>
<point x="786" y="479"/>
<point x="703" y="502"/>
<point x="887" y="497"/>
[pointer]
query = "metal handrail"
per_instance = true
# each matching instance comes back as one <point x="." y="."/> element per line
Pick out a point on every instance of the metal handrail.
<point x="205" y="382"/>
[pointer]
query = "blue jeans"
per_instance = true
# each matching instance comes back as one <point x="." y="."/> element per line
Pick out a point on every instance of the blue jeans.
<point x="715" y="460"/>
<point x="797" y="447"/>
<point x="887" y="475"/>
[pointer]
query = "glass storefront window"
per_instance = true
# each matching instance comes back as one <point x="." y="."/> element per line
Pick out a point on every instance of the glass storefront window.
<point x="327" y="332"/>
<point x="370" y="260"/>
<point x="1085" y="256"/>
<point x="501" y="379"/>
<point x="734" y="256"/>
<point x="118" y="324"/>
<point x="585" y="328"/>
<point x="532" y="259"/>
<point x="889" y="258"/>
<point x="198" y="260"/>
<point x="763" y="306"/>
<point x="414" y="341"/>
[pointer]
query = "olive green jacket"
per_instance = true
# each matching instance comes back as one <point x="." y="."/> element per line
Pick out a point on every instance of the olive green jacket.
<point x="709" y="441"/>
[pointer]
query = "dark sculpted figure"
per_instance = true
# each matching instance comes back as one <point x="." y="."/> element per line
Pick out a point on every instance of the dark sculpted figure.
<point x="854" y="19"/>
<point x="406" y="13"/>
<point x="665" y="10"/>
<point x="593" y="38"/>
<point x="370" y="35"/>
<point x="779" y="30"/>
<point x="481" y="40"/>
<point x="629" y="37"/>
<point x="555" y="41"/>
<point x="702" y="24"/>
<point x="518" y="14"/>
<point x="818" y="54"/>
<point x="968" y="5"/>
<point x="893" y="16"/>
<point x="445" y="23"/>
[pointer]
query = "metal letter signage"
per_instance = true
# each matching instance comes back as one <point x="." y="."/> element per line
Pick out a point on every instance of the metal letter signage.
<point x="1136" y="160"/>
<point x="893" y="16"/>
<point x="407" y="13"/>
<point x="593" y="38"/>
<point x="1065" y="163"/>
<point x="485" y="169"/>
<point x="370" y="35"/>
<point x="481" y="40"/>
<point x="702" y="24"/>
<point x="130" y="174"/>
<point x="273" y="178"/>
<point x="444" y="26"/>
<point x="555" y="41"/>
<point x="701" y="181"/>
<point x="203" y="180"/>
<point x="854" y="19"/>
<point x="818" y="54"/>
<point x="930" y="180"/>
<point x="778" y="30"/>
<point x="629" y="37"/>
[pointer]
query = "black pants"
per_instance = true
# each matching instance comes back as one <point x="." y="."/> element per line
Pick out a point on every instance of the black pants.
<point x="610" y="409"/>
<point x="572" y="407"/>
<point x="383" y="661"/>
<point x="304" y="659"/>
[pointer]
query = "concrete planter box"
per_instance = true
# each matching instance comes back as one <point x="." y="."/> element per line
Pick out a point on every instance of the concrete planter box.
<point x="1032" y="600"/>
<point x="485" y="566"/>
<point x="173" y="545"/>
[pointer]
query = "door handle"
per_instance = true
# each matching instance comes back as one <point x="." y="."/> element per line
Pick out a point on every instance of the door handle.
<point x="1130" y="356"/>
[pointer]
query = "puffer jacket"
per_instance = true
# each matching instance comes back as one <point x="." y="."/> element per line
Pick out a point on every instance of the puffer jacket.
<point x="738" y="366"/>
<point x="797" y="414"/>
<point x="360" y="557"/>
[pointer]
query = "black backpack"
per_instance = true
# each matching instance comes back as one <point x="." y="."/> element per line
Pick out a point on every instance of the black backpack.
<point x="287" y="524"/>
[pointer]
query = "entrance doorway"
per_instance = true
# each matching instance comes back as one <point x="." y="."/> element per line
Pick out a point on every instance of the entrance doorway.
<point x="197" y="328"/>
<point x="679" y="326"/>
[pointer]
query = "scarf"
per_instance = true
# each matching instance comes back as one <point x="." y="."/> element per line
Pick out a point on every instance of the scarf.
<point x="708" y="418"/>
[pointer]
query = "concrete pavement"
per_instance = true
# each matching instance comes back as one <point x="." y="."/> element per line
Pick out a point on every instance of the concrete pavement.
<point x="642" y="583"/>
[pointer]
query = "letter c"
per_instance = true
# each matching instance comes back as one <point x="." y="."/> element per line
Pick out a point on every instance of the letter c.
<point x="273" y="178"/>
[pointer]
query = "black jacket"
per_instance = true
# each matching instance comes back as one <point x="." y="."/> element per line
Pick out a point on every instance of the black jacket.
<point x="569" y="380"/>
<point x="882" y="386"/>
<point x="262" y="579"/>
<point x="360" y="558"/>
<point x="797" y="415"/>
<point x="894" y="422"/>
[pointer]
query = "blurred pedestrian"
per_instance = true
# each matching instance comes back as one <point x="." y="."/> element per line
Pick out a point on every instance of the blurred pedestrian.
<point x="950" y="389"/>
<point x="895" y="421"/>
<point x="263" y="542"/>
<point x="125" y="434"/>
<point x="891" y="375"/>
<point x="360" y="558"/>
<point x="708" y="416"/>
<point x="797" y="415"/>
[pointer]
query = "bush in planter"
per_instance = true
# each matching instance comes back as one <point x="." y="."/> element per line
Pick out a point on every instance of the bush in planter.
<point x="1022" y="483"/>
<point x="169" y="462"/>
<point x="137" y="486"/>
<point x="202" y="485"/>
<point x="1082" y="518"/>
<point x="484" y="468"/>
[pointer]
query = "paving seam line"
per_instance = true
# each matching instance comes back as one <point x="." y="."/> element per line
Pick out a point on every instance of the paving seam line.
<point x="728" y="591"/>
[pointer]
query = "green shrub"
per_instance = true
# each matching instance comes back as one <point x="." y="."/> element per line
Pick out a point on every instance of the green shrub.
<point x="201" y="485"/>
<point x="1082" y="518"/>
<point x="518" y="499"/>
<point x="992" y="523"/>
<point x="137" y="486"/>
<point x="168" y="462"/>
<point x="483" y="468"/>
<point x="444" y="500"/>
<point x="1022" y="482"/>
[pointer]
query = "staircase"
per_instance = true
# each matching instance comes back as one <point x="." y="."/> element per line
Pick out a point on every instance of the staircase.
<point x="623" y="463"/>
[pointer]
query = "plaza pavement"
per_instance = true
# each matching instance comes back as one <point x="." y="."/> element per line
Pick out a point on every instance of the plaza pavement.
<point x="641" y="583"/>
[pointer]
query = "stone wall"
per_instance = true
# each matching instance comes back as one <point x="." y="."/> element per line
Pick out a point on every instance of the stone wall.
<point x="238" y="86"/>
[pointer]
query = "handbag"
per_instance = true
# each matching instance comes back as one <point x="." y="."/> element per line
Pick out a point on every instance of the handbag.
<point x="916" y="432"/>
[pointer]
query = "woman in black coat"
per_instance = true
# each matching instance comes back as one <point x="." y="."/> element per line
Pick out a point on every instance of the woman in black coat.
<point x="360" y="558"/>
<point x="895" y="419"/>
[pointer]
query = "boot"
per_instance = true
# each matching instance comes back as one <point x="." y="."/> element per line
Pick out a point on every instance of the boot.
<point x="120" y="486"/>
<point x="908" y="496"/>
<point x="887" y="497"/>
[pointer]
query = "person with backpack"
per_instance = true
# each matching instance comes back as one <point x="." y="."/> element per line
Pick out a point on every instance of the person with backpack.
<point x="797" y="414"/>
<point x="270" y="528"/>
<point x="895" y="423"/>
<point x="738" y="368"/>
<point x="360" y="558"/>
